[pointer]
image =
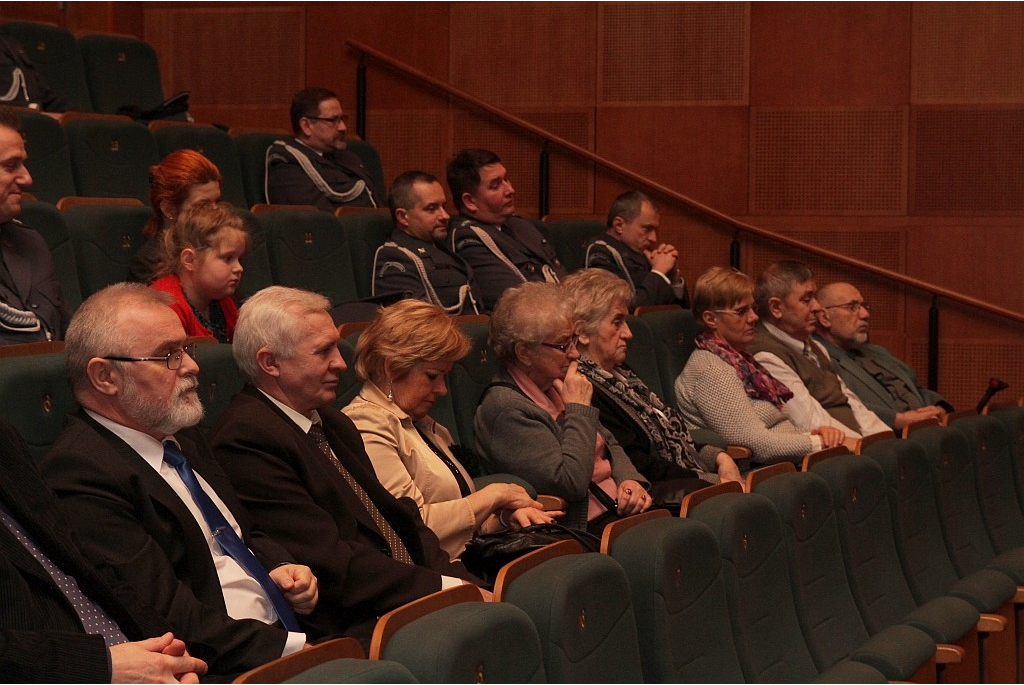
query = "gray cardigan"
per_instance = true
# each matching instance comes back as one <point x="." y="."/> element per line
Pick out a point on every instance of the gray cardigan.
<point x="515" y="435"/>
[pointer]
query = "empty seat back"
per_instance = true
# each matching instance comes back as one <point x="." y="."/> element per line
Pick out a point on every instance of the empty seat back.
<point x="466" y="382"/>
<point x="366" y="230"/>
<point x="309" y="250"/>
<point x="121" y="71"/>
<point x="581" y="606"/>
<point x="36" y="397"/>
<point x="992" y="452"/>
<point x="642" y="357"/>
<point x="569" y="238"/>
<point x="105" y="237"/>
<point x="675" y="579"/>
<point x="769" y="639"/>
<point x="370" y="158"/>
<point x="673" y="331"/>
<point x="831" y="622"/>
<point x="110" y="157"/>
<point x="252" y="158"/>
<point x="48" y="220"/>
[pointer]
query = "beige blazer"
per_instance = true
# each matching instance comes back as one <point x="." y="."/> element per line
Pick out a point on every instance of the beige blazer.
<point x="408" y="467"/>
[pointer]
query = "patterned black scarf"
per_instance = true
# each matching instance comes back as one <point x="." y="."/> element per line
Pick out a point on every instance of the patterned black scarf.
<point x="663" y="425"/>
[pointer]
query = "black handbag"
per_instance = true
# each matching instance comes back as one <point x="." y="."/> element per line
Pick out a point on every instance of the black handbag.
<point x="486" y="554"/>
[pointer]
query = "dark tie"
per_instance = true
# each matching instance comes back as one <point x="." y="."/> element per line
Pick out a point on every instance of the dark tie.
<point x="94" y="620"/>
<point x="398" y="550"/>
<point x="226" y="537"/>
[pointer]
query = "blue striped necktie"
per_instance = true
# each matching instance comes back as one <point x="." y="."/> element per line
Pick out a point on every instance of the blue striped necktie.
<point x="226" y="537"/>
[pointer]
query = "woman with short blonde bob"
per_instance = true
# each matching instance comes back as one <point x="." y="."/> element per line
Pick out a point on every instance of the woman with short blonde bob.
<point x="723" y="388"/>
<point x="403" y="358"/>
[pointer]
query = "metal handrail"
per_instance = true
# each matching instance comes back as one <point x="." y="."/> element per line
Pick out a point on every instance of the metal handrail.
<point x="548" y="138"/>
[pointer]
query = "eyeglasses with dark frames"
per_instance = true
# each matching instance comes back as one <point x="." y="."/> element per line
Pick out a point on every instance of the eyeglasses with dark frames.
<point x="172" y="359"/>
<point x="333" y="121"/>
<point x="563" y="347"/>
<point x="853" y="306"/>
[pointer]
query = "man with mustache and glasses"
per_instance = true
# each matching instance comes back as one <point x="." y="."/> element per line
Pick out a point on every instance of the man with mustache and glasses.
<point x="885" y="384"/>
<point x="314" y="167"/>
<point x="785" y="297"/>
<point x="148" y="501"/>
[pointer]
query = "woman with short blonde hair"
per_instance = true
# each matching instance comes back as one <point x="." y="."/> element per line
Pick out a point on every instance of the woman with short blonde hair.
<point x="403" y="358"/>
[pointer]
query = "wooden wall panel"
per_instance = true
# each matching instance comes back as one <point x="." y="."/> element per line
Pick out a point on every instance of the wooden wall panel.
<point x="828" y="161"/>
<point x="524" y="54"/>
<point x="698" y="151"/>
<point x="673" y="52"/>
<point x="412" y="140"/>
<point x="968" y="52"/>
<point x="967" y="160"/>
<point x="244" y="65"/>
<point x="829" y="53"/>
<point x="415" y="32"/>
<point x="966" y="365"/>
<point x="981" y="258"/>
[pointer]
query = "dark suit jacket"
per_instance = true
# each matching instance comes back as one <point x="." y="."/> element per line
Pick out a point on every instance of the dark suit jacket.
<point x="873" y="394"/>
<point x="518" y="240"/>
<point x="34" y="287"/>
<point x="298" y="496"/>
<point x="649" y="287"/>
<point x="395" y="272"/>
<point x="289" y="184"/>
<point x="41" y="636"/>
<point x="129" y="520"/>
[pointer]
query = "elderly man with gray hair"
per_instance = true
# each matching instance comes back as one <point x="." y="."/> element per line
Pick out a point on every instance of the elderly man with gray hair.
<point x="301" y="470"/>
<point x="785" y="298"/>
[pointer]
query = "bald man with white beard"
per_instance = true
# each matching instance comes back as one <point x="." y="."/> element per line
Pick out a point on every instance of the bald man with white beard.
<point x="883" y="383"/>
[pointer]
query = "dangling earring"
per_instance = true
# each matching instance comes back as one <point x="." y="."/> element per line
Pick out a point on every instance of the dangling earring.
<point x="391" y="394"/>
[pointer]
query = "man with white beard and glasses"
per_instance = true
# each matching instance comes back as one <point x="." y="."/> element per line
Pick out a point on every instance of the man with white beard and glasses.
<point x="149" y="503"/>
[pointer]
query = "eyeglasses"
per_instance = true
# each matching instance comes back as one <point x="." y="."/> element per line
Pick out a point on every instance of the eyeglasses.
<point x="853" y="306"/>
<point x="333" y="121"/>
<point x="563" y="347"/>
<point x="172" y="359"/>
<point x="741" y="312"/>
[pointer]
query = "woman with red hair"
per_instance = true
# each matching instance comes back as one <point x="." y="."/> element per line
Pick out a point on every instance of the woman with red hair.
<point x="181" y="180"/>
